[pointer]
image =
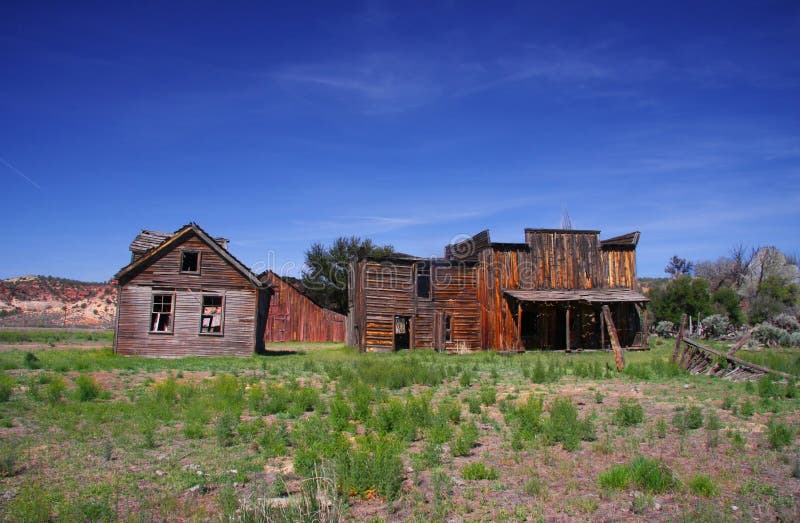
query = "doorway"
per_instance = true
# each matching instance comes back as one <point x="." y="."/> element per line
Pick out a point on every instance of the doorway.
<point x="402" y="332"/>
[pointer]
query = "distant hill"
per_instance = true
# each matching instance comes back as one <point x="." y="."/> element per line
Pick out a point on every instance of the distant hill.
<point x="47" y="301"/>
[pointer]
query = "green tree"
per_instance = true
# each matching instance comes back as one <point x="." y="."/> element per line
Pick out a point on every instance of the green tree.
<point x="775" y="295"/>
<point x="325" y="273"/>
<point x="682" y="294"/>
<point x="728" y="302"/>
<point x="679" y="266"/>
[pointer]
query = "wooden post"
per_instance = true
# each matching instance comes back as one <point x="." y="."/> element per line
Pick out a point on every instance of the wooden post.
<point x="679" y="339"/>
<point x="519" y="326"/>
<point x="740" y="343"/>
<point x="645" y="330"/>
<point x="619" y="356"/>
<point x="602" y="331"/>
<point x="567" y="348"/>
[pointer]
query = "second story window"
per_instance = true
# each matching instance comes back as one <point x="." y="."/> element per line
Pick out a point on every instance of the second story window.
<point x="190" y="261"/>
<point x="423" y="280"/>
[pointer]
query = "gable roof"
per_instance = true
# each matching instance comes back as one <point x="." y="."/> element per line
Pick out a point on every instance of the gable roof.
<point x="154" y="253"/>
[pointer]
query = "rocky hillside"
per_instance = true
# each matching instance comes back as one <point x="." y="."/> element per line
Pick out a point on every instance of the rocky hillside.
<point x="46" y="301"/>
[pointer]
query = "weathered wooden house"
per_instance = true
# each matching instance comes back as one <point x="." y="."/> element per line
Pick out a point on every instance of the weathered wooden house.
<point x="185" y="294"/>
<point x="550" y="292"/>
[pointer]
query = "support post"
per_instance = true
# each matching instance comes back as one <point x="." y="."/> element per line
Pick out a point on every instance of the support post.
<point x="567" y="329"/>
<point x="619" y="356"/>
<point x="679" y="339"/>
<point x="602" y="330"/>
<point x="519" y="326"/>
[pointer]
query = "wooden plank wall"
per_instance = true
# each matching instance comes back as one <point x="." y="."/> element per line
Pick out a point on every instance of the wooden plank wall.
<point x="293" y="316"/>
<point x="455" y="288"/>
<point x="619" y="267"/>
<point x="216" y="276"/>
<point x="500" y="269"/>
<point x="565" y="259"/>
<point x="387" y="291"/>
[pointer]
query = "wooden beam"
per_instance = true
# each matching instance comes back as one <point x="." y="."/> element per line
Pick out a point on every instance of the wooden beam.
<point x="602" y="330"/>
<point x="567" y="329"/>
<point x="740" y="343"/>
<point x="519" y="326"/>
<point x="619" y="356"/>
<point x="679" y="339"/>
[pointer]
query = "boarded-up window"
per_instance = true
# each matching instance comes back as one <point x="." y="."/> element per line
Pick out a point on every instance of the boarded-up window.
<point x="190" y="261"/>
<point x="161" y="313"/>
<point x="211" y="316"/>
<point x="424" y="280"/>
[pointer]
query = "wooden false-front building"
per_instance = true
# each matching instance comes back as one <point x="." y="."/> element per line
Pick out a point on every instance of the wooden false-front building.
<point x="185" y="294"/>
<point x="560" y="289"/>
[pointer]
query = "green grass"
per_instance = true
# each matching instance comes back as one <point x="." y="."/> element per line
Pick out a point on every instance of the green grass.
<point x="379" y="425"/>
<point x="53" y="336"/>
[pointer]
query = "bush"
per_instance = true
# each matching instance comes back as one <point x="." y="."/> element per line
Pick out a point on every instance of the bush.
<point x="715" y="326"/>
<point x="224" y="428"/>
<point x="689" y="420"/>
<point x="488" y="395"/>
<point x="564" y="426"/>
<point x="374" y="463"/>
<point x="786" y="322"/>
<point x="779" y="434"/>
<point x="794" y="339"/>
<point x="478" y="471"/>
<point x="88" y="389"/>
<point x="665" y="329"/>
<point x="6" y="386"/>
<point x="770" y="335"/>
<point x="647" y="474"/>
<point x="701" y="485"/>
<point x="9" y="455"/>
<point x="629" y="413"/>
<point x="31" y="361"/>
<point x="54" y="390"/>
<point x="465" y="440"/>
<point x="275" y="440"/>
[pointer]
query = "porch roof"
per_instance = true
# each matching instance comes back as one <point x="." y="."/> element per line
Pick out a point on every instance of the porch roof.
<point x="583" y="295"/>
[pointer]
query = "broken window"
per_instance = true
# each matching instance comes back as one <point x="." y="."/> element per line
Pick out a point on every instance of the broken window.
<point x="161" y="313"/>
<point x="190" y="261"/>
<point x="424" y="280"/>
<point x="211" y="315"/>
<point x="447" y="332"/>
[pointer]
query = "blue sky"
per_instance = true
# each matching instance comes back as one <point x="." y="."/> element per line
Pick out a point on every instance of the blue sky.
<point x="410" y="123"/>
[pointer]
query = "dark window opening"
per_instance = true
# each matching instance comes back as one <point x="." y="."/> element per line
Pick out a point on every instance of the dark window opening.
<point x="424" y="280"/>
<point x="211" y="315"/>
<point x="402" y="332"/>
<point x="161" y="313"/>
<point x="447" y="331"/>
<point x="190" y="261"/>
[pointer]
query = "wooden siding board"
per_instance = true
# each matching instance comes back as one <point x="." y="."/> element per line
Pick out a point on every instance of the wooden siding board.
<point x="293" y="316"/>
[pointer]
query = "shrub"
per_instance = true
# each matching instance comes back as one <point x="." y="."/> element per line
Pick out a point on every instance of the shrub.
<point x="488" y="395"/>
<point x="701" y="485"/>
<point x="339" y="413"/>
<point x="275" y="440"/>
<point x="374" y="463"/>
<point x="479" y="471"/>
<point x="440" y="429"/>
<point x="748" y="409"/>
<point x="713" y="422"/>
<point x="474" y="404"/>
<point x="629" y="413"/>
<point x="715" y="325"/>
<point x="465" y="440"/>
<point x="54" y="390"/>
<point x="770" y="335"/>
<point x="450" y="409"/>
<point x="786" y="322"/>
<point x="779" y="434"/>
<point x="661" y="428"/>
<point x="665" y="329"/>
<point x="6" y="386"/>
<point x="767" y="388"/>
<point x="31" y="361"/>
<point x="794" y="339"/>
<point x="689" y="419"/>
<point x="9" y="455"/>
<point x="564" y="426"/>
<point x="647" y="474"/>
<point x="88" y="389"/>
<point x="224" y="428"/>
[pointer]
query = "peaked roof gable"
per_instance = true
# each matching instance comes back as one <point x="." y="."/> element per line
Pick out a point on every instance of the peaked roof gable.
<point x="155" y="253"/>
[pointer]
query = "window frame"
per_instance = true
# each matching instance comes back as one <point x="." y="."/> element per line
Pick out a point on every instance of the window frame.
<point x="153" y="296"/>
<point x="448" y="328"/>
<point x="417" y="266"/>
<point x="199" y="260"/>
<point x="221" y="315"/>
